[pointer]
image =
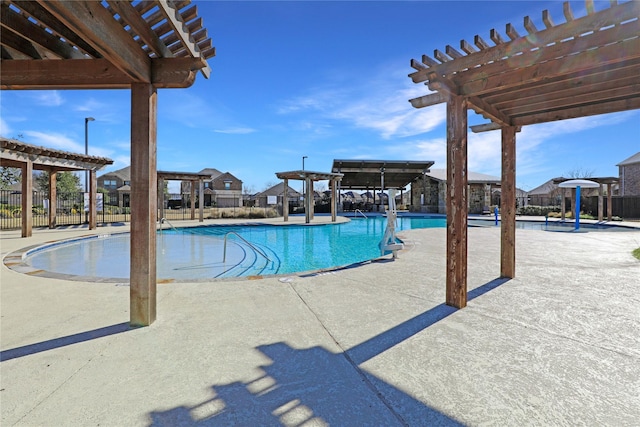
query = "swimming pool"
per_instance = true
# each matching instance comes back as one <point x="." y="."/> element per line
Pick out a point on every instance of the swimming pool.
<point x="199" y="253"/>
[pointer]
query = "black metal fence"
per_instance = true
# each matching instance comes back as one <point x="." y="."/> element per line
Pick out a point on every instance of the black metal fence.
<point x="114" y="207"/>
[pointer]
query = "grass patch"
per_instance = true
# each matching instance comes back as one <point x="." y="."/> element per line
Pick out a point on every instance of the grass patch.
<point x="636" y="253"/>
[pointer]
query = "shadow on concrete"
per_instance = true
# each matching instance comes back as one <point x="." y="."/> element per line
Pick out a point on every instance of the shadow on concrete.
<point x="63" y="341"/>
<point x="314" y="384"/>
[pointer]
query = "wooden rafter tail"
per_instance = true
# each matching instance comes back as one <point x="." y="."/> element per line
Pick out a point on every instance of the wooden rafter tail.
<point x="546" y="18"/>
<point x="453" y="53"/>
<point x="427" y="100"/>
<point x="566" y="10"/>
<point x="529" y="25"/>
<point x="512" y="32"/>
<point x="495" y="36"/>
<point x="417" y="65"/>
<point x="478" y="41"/>
<point x="430" y="62"/>
<point x="441" y="56"/>
<point x="467" y="47"/>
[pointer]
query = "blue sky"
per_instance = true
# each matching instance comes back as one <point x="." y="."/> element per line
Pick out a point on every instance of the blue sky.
<point x="327" y="80"/>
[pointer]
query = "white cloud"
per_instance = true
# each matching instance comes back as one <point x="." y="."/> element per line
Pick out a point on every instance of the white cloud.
<point x="5" y="129"/>
<point x="235" y="131"/>
<point x="54" y="140"/>
<point x="90" y="105"/>
<point x="380" y="104"/>
<point x="50" y="98"/>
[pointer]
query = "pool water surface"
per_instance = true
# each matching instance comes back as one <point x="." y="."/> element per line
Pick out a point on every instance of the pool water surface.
<point x="199" y="253"/>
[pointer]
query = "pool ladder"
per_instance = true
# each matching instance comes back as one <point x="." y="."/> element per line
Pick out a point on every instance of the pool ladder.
<point x="224" y="251"/>
<point x="163" y="220"/>
<point x="360" y="212"/>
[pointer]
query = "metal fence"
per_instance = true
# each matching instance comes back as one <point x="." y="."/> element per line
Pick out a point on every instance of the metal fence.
<point x="114" y="208"/>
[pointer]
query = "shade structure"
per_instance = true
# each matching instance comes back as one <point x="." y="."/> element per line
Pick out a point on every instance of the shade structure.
<point x="574" y="183"/>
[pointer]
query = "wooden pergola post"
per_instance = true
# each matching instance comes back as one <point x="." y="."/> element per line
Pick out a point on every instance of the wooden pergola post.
<point x="457" y="202"/>
<point x="27" y="198"/>
<point x="508" y="203"/>
<point x="563" y="205"/>
<point x="285" y="200"/>
<point x="53" y="198"/>
<point x="601" y="203"/>
<point x="93" y="205"/>
<point x="192" y="197"/>
<point x="144" y="100"/>
<point x="200" y="200"/>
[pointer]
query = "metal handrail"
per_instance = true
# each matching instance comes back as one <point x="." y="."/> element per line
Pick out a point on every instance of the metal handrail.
<point x="361" y="213"/>
<point x="224" y="251"/>
<point x="163" y="220"/>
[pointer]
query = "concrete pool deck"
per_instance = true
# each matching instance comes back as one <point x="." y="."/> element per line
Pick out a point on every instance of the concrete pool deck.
<point x="372" y="345"/>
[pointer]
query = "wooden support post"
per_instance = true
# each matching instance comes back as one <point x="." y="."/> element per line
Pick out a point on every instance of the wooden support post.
<point x="609" y="204"/>
<point x="563" y="205"/>
<point x="193" y="199"/>
<point x="144" y="100"/>
<point x="200" y="200"/>
<point x="601" y="203"/>
<point x="93" y="205"/>
<point x="333" y="200"/>
<point x="160" y="199"/>
<point x="457" y="202"/>
<point x="53" y="198"/>
<point x="27" y="198"/>
<point x="285" y="200"/>
<point x="508" y="204"/>
<point x="574" y="204"/>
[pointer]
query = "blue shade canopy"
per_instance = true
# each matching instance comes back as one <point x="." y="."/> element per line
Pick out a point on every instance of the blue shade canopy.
<point x="584" y="183"/>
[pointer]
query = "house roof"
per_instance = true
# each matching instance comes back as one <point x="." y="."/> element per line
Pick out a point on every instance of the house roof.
<point x="545" y="188"/>
<point x="278" y="190"/>
<point x="472" y="177"/>
<point x="631" y="160"/>
<point x="213" y="172"/>
<point x="124" y="173"/>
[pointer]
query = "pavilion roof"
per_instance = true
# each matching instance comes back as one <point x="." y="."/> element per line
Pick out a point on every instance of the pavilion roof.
<point x="14" y="153"/>
<point x="584" y="66"/>
<point x="364" y="174"/>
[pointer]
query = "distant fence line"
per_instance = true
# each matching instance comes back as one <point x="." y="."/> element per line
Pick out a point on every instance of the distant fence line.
<point x="115" y="208"/>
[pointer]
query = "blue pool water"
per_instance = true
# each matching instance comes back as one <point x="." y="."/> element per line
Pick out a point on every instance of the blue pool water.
<point x="197" y="253"/>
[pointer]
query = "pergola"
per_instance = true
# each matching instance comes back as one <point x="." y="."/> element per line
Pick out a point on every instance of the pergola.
<point x="582" y="67"/>
<point x="609" y="181"/>
<point x="366" y="174"/>
<point x="193" y="178"/>
<point x="29" y="157"/>
<point x="309" y="177"/>
<point x="142" y="46"/>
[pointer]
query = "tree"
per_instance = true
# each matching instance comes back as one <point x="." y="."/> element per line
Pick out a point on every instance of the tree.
<point x="580" y="173"/>
<point x="9" y="176"/>
<point x="66" y="182"/>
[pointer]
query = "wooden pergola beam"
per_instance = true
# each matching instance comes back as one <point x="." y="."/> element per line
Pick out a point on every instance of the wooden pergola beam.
<point x="99" y="29"/>
<point x="94" y="74"/>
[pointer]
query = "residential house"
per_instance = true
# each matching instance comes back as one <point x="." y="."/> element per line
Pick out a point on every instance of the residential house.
<point x="223" y="190"/>
<point x="547" y="194"/>
<point x="118" y="186"/>
<point x="429" y="193"/>
<point x="273" y="196"/>
<point x="629" y="170"/>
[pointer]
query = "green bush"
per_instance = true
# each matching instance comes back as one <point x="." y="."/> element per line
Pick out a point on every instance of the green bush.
<point x="537" y="210"/>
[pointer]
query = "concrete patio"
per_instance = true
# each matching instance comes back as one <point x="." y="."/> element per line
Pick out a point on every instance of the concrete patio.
<point x="372" y="345"/>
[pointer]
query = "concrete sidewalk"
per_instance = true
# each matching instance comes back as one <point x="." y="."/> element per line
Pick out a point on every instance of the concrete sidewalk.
<point x="372" y="345"/>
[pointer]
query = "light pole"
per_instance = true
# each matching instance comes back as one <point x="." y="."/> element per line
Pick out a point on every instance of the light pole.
<point x="86" y="149"/>
<point x="303" y="180"/>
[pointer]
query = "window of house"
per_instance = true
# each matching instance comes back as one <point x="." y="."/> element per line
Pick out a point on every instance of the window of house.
<point x="110" y="184"/>
<point x="127" y="182"/>
<point x="227" y="185"/>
